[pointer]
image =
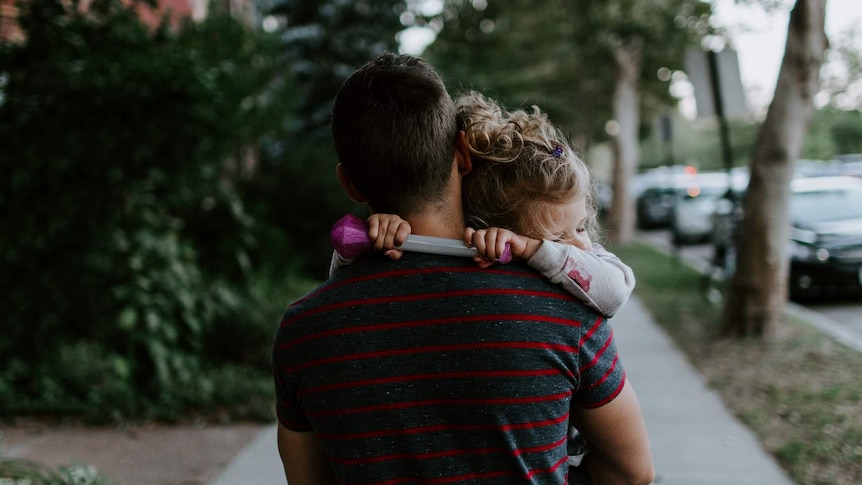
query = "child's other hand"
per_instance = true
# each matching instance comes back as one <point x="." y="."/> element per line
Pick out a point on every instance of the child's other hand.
<point x="388" y="232"/>
<point x="491" y="243"/>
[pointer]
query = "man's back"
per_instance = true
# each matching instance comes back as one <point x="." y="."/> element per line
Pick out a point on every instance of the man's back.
<point x="430" y="368"/>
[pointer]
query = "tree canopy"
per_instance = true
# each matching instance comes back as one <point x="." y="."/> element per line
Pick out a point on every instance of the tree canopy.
<point x="560" y="56"/>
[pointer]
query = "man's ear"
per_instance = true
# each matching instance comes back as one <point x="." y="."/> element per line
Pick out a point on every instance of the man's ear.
<point x="347" y="185"/>
<point x="462" y="154"/>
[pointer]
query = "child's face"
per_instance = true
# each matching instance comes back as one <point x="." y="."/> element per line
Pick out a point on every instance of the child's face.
<point x="571" y="219"/>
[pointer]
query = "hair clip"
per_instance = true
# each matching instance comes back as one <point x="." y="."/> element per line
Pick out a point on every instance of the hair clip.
<point x="557" y="152"/>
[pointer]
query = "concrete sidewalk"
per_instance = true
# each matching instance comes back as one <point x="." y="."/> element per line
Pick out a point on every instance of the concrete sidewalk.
<point x="695" y="439"/>
<point x="257" y="464"/>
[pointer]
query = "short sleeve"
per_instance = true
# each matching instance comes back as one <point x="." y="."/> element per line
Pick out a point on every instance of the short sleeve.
<point x="287" y="408"/>
<point x="601" y="373"/>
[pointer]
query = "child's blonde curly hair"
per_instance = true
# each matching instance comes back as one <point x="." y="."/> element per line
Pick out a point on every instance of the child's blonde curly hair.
<point x="522" y="167"/>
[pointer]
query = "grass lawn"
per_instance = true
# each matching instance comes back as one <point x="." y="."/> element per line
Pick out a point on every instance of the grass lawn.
<point x="800" y="393"/>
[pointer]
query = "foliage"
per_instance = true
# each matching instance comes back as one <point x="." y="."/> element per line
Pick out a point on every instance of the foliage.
<point x="131" y="245"/>
<point x="23" y="472"/>
<point x="522" y="55"/>
<point x="833" y="131"/>
<point x="295" y="191"/>
<point x="847" y="133"/>
<point x="666" y="28"/>
<point x="295" y="188"/>
<point x="842" y="74"/>
<point x="697" y="143"/>
<point x="560" y="56"/>
<point x="325" y="41"/>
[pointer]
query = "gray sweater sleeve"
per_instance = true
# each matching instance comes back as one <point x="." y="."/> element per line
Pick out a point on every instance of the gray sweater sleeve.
<point x="597" y="277"/>
<point x="338" y="261"/>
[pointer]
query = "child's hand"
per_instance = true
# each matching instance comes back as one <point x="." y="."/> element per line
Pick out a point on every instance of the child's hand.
<point x="491" y="243"/>
<point x="582" y="240"/>
<point x="388" y="232"/>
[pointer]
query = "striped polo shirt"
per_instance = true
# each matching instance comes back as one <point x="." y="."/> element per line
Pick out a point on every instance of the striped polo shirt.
<point x="430" y="370"/>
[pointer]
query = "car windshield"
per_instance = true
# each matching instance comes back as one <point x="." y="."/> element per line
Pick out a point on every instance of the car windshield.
<point x="826" y="205"/>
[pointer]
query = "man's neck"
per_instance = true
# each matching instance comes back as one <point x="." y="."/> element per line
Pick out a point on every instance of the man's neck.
<point x="437" y="224"/>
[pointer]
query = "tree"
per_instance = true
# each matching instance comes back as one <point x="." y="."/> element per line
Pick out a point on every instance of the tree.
<point x="637" y="39"/>
<point x="520" y="55"/>
<point x="758" y="289"/>
<point x="325" y="41"/>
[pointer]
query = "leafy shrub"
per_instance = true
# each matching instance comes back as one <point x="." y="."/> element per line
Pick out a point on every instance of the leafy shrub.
<point x="127" y="247"/>
<point x="22" y="472"/>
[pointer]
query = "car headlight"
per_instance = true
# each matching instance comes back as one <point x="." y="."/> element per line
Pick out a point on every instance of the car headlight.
<point x="805" y="252"/>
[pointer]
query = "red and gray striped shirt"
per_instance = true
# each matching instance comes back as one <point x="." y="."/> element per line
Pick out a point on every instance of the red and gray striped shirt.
<point x="430" y="370"/>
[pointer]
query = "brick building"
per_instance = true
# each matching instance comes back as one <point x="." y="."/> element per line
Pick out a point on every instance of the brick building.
<point x="9" y="30"/>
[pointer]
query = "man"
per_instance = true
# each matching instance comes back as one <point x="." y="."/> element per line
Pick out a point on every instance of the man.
<point x="428" y="369"/>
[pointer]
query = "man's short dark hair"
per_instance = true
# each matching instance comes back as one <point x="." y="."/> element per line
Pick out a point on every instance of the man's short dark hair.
<point x="394" y="128"/>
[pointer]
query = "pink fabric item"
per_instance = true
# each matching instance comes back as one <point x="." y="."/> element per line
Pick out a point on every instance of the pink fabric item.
<point x="349" y="236"/>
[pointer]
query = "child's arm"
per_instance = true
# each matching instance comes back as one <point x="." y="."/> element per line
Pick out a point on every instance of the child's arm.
<point x="386" y="231"/>
<point x="594" y="275"/>
<point x="597" y="276"/>
<point x="338" y="261"/>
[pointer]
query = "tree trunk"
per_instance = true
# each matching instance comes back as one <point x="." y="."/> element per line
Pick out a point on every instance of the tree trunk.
<point x="626" y="109"/>
<point x="758" y="291"/>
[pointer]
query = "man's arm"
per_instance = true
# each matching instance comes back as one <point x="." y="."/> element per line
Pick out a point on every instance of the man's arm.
<point x="303" y="459"/>
<point x="619" y="450"/>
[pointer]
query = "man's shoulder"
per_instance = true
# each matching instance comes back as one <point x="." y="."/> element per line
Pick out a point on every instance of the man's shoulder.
<point x="375" y="276"/>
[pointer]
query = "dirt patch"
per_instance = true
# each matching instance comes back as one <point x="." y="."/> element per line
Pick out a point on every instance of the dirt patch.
<point x="137" y="455"/>
<point x="800" y="394"/>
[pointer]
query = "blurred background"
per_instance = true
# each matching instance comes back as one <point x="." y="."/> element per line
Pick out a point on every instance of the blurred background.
<point x="168" y="175"/>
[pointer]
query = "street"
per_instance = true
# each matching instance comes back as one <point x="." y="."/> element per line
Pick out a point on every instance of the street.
<point x="847" y="313"/>
<point x="841" y="316"/>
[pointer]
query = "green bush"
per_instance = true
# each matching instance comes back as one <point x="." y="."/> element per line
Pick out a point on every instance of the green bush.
<point x="127" y="249"/>
<point x="23" y="472"/>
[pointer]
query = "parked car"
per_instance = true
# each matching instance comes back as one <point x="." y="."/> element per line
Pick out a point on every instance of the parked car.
<point x="662" y="178"/>
<point x="825" y="246"/>
<point x="853" y="169"/>
<point x="826" y="237"/>
<point x="658" y="190"/>
<point x="849" y="158"/>
<point x="814" y="168"/>
<point x="654" y="207"/>
<point x="691" y="217"/>
<point x="604" y="196"/>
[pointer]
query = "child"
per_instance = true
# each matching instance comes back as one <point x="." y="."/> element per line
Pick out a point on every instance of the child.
<point x="526" y="179"/>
